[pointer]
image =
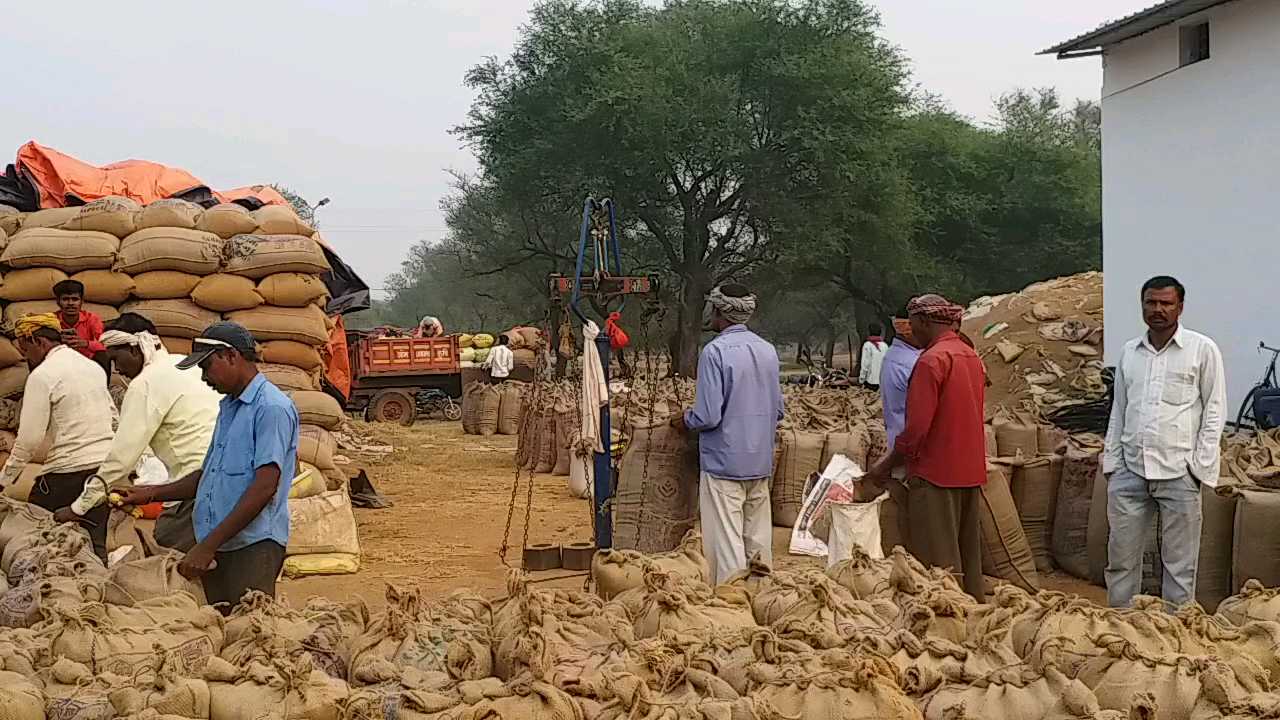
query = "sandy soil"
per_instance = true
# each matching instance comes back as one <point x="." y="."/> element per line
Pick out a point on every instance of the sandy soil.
<point x="452" y="493"/>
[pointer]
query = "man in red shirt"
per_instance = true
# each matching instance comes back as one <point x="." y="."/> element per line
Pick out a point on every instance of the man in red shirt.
<point x="81" y="329"/>
<point x="943" y="445"/>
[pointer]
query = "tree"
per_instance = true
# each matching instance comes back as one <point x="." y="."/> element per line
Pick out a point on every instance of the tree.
<point x="725" y="129"/>
<point x="300" y="205"/>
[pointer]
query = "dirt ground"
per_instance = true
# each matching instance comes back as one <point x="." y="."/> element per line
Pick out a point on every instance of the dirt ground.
<point x="452" y="493"/>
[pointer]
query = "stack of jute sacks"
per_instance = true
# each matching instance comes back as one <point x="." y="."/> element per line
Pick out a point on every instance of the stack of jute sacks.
<point x="184" y="268"/>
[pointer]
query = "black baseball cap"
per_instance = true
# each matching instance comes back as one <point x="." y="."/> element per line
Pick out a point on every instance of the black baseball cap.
<point x="220" y="336"/>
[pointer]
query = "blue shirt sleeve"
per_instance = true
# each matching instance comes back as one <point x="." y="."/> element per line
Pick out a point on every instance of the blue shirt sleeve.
<point x="709" y="404"/>
<point x="275" y="438"/>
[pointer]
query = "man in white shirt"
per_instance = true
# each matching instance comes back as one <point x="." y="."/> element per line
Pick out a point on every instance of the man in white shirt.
<point x="873" y="351"/>
<point x="66" y="398"/>
<point x="168" y="410"/>
<point x="1162" y="444"/>
<point x="501" y="360"/>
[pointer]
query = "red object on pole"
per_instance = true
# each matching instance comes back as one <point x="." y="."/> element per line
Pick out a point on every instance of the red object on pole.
<point x="618" y="338"/>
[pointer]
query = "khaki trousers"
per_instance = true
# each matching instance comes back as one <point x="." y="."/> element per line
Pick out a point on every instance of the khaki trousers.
<point x="737" y="524"/>
<point x="946" y="530"/>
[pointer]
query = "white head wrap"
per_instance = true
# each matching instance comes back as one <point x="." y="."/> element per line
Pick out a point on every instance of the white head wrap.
<point x="149" y="345"/>
<point x="737" y="310"/>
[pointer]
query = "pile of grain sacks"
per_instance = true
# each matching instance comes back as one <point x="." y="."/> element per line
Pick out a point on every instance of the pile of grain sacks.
<point x="183" y="268"/>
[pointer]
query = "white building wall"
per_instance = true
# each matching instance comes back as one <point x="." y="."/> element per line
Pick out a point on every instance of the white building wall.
<point x="1191" y="182"/>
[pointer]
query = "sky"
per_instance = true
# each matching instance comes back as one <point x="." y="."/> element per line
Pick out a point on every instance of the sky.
<point x="354" y="101"/>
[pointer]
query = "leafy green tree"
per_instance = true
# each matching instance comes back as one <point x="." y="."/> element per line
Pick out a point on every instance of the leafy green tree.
<point x="300" y="205"/>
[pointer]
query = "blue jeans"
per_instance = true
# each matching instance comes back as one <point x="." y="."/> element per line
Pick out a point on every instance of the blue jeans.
<point x="1131" y="500"/>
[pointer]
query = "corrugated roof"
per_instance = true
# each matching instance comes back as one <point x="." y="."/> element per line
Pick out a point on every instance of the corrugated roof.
<point x="1143" y="21"/>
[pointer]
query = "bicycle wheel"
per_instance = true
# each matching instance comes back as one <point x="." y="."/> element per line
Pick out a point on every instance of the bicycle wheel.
<point x="1244" y="418"/>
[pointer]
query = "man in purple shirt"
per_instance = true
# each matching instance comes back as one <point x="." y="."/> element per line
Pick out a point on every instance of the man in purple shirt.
<point x="737" y="410"/>
<point x="895" y="375"/>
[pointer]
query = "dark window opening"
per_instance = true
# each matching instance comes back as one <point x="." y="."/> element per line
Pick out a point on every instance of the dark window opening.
<point x="1194" y="45"/>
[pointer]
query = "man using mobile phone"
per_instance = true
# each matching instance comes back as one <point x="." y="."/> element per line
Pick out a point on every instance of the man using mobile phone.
<point x="81" y="329"/>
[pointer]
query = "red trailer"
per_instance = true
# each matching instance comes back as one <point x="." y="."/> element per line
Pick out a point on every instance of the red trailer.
<point x="395" y="379"/>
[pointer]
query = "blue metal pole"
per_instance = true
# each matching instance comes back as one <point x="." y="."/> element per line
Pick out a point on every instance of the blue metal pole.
<point x="604" y="461"/>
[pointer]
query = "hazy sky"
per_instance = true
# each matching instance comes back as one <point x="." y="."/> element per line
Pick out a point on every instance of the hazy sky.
<point x="354" y="100"/>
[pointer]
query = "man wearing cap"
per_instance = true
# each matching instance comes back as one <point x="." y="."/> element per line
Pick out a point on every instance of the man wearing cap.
<point x="241" y="515"/>
<point x="942" y="445"/>
<point x="65" y="401"/>
<point x="737" y="410"/>
<point x="172" y="412"/>
<point x="81" y="329"/>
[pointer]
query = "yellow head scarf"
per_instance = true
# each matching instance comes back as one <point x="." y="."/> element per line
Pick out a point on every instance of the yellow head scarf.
<point x="29" y="324"/>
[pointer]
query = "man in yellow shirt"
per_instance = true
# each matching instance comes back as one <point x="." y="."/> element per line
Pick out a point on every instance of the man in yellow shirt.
<point x="171" y="411"/>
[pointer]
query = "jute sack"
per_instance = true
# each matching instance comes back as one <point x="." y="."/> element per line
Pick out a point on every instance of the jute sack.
<point x="49" y="217"/>
<point x="68" y="250"/>
<point x="20" y="698"/>
<point x="171" y="213"/>
<point x="322" y="628"/>
<point x="509" y="410"/>
<point x="112" y="214"/>
<point x="323" y="524"/>
<point x="37" y="600"/>
<point x="102" y="286"/>
<point x="677" y="604"/>
<point x="566" y="429"/>
<point x="863" y="576"/>
<point x="9" y="355"/>
<point x="174" y="318"/>
<point x="1254" y="603"/>
<point x="289" y="378"/>
<point x="489" y="400"/>
<point x="10" y="219"/>
<point x="177" y="346"/>
<point x="833" y="684"/>
<point x="122" y="640"/>
<point x="544" y="460"/>
<point x="170" y="248"/>
<point x="1073" y="518"/>
<point x="304" y="325"/>
<point x="288" y="352"/>
<point x="20" y="518"/>
<point x="14" y="312"/>
<point x="131" y="582"/>
<point x="656" y="501"/>
<point x="993" y="446"/>
<point x="164" y="285"/>
<point x="13" y="380"/>
<point x="1256" y="540"/>
<point x="164" y="693"/>
<point x="292" y="289"/>
<point x="257" y="256"/>
<point x="318" y="408"/>
<point x="226" y="293"/>
<point x="1062" y="629"/>
<point x="31" y="284"/>
<point x="285" y="688"/>
<point x="1217" y="541"/>
<point x="226" y="220"/>
<point x="1035" y="494"/>
<point x="427" y="639"/>
<point x="1017" y="435"/>
<point x="74" y="692"/>
<point x="801" y="455"/>
<point x="616" y="571"/>
<point x="280" y="220"/>
<point x="314" y="451"/>
<point x="1016" y="692"/>
<point x="852" y="444"/>
<point x="1005" y="553"/>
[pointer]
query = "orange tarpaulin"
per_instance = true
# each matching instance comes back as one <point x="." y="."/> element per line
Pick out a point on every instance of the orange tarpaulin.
<point x="337" y="362"/>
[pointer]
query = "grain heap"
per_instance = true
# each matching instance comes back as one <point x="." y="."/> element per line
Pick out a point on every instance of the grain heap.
<point x="868" y="638"/>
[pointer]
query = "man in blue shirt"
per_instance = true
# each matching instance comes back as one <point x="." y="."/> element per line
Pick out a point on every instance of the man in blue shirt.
<point x="895" y="376"/>
<point x="241" y="516"/>
<point x="737" y="410"/>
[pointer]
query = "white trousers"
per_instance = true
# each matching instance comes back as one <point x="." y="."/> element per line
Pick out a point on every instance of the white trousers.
<point x="737" y="524"/>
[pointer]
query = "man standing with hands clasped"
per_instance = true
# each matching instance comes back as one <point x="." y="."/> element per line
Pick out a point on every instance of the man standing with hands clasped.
<point x="1162" y="443"/>
<point x="943" y="445"/>
<point x="737" y="410"/>
<point x="241" y="515"/>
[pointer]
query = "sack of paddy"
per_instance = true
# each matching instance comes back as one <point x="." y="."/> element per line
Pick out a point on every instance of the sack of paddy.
<point x="128" y="583"/>
<point x="261" y="628"/>
<point x="313" y="452"/>
<point x="9" y="355"/>
<point x="285" y="688"/>
<point x="509" y="410"/>
<point x="1072" y="517"/>
<point x="323" y="524"/>
<point x="20" y="697"/>
<point x="488" y="399"/>
<point x="566" y="430"/>
<point x="37" y="599"/>
<point x="449" y="637"/>
<point x="852" y="444"/>
<point x="31" y="284"/>
<point x="1256" y="554"/>
<point x="544" y="454"/>
<point x="671" y="688"/>
<point x="678" y="604"/>
<point x="616" y="571"/>
<point x="67" y="250"/>
<point x="14" y="312"/>
<point x="1017" y="435"/>
<point x="936" y="613"/>
<point x="800" y="456"/>
<point x="1182" y="686"/>
<point x="123" y="640"/>
<point x="226" y="220"/>
<point x="280" y="220"/>
<point x="49" y="217"/>
<point x="1019" y="692"/>
<point x="161" y="694"/>
<point x="226" y="293"/>
<point x="289" y="352"/>
<point x="257" y="256"/>
<point x="482" y="341"/>
<point x="1005" y="552"/>
<point x="470" y="397"/>
<point x="177" y="346"/>
<point x="318" y="408"/>
<point x="304" y="325"/>
<point x="29" y="552"/>
<point x="13" y="380"/>
<point x="75" y="692"/>
<point x="20" y="518"/>
<point x="173" y="249"/>
<point x="655" y="504"/>
<point x="112" y="214"/>
<point x="1035" y="495"/>
<point x="164" y="285"/>
<point x="105" y="287"/>
<point x="174" y="318"/>
<point x="830" y="684"/>
<point x="288" y="377"/>
<point x="170" y="213"/>
<point x="810" y="607"/>
<point x="10" y="219"/>
<point x="325" y="442"/>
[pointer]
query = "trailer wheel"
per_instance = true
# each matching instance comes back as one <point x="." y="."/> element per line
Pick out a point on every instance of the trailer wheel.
<point x="394" y="406"/>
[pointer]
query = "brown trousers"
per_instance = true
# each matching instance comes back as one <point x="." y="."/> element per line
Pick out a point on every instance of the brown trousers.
<point x="58" y="490"/>
<point x="942" y="528"/>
